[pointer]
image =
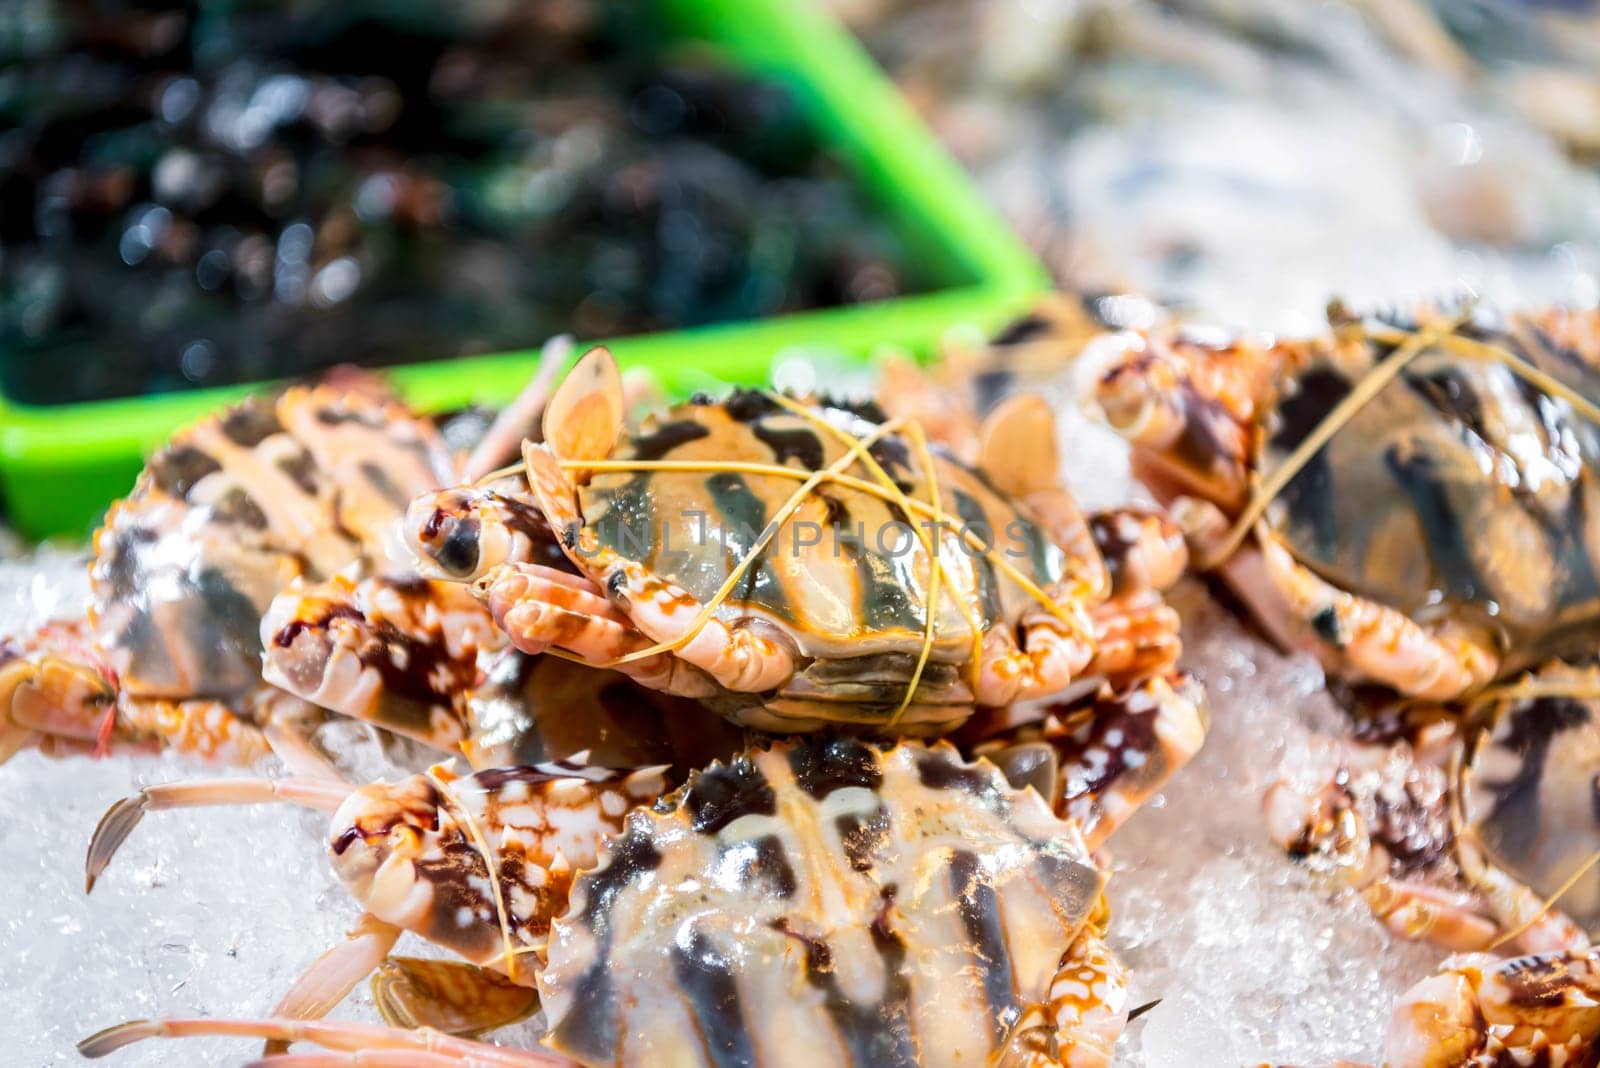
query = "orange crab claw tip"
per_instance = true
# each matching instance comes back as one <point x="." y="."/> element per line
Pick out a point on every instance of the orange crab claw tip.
<point x="115" y="1037"/>
<point x="113" y="829"/>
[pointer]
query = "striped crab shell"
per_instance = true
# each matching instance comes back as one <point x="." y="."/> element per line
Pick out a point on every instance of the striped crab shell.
<point x="231" y="511"/>
<point x="1528" y="789"/>
<point x="1482" y="491"/>
<point x="1417" y="499"/>
<point x="777" y="557"/>
<point x="829" y="902"/>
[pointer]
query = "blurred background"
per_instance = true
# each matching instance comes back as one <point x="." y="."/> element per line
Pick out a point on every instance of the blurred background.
<point x="1252" y="158"/>
<point x="216" y="193"/>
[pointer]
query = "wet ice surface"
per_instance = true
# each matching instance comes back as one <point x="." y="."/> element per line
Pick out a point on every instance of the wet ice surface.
<point x="215" y="912"/>
<point x="1254" y="959"/>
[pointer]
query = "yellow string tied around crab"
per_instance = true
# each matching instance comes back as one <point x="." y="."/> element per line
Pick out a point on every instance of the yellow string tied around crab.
<point x="930" y="544"/>
<point x="736" y="575"/>
<point x="1370" y="385"/>
<point x="480" y="842"/>
<point x="1549" y="903"/>
<point x="835" y="474"/>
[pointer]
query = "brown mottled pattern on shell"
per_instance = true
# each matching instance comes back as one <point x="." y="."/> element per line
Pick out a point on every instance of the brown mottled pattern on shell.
<point x="1531" y="795"/>
<point x="232" y="510"/>
<point x="825" y="901"/>
<point x="410" y="851"/>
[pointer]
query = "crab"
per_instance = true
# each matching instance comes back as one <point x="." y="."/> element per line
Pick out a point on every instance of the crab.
<point x="229" y="513"/>
<point x="1481" y="1011"/>
<point x="1468" y="835"/>
<point x="868" y="903"/>
<point x="254" y="579"/>
<point x="1409" y="498"/>
<point x="799" y="564"/>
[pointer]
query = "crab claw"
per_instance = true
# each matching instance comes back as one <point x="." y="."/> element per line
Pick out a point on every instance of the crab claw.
<point x="55" y="691"/>
<point x="1540" y="1009"/>
<point x="461" y="534"/>
<point x="1099" y="761"/>
<point x="398" y="653"/>
<point x="418" y="853"/>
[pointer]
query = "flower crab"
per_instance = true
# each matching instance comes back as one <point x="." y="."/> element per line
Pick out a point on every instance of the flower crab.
<point x="255" y="575"/>
<point x="801" y="564"/>
<point x="1412" y="500"/>
<point x="1469" y="838"/>
<point x="229" y="513"/>
<point x="1481" y="1010"/>
<point x="884" y="903"/>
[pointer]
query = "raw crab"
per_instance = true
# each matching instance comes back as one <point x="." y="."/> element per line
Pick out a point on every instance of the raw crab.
<point x="1467" y="837"/>
<point x="794" y="564"/>
<point x="1414" y="501"/>
<point x="222" y="519"/>
<point x="256" y="571"/>
<point x="887" y="905"/>
<point x="1480" y="1011"/>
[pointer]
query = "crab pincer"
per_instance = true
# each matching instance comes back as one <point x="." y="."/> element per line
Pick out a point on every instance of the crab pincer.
<point x="1478" y="1009"/>
<point x="1470" y="836"/>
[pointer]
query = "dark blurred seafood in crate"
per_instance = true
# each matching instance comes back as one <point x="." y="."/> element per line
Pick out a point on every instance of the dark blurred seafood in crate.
<point x="224" y="194"/>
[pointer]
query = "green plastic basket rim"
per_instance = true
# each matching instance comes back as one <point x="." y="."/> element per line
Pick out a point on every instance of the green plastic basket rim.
<point x="44" y="448"/>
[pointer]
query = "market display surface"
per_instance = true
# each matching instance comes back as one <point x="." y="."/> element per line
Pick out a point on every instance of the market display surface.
<point x="1209" y="679"/>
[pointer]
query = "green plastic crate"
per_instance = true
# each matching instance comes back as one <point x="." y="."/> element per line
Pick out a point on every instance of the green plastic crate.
<point x="61" y="465"/>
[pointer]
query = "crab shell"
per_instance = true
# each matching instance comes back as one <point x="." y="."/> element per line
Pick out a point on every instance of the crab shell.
<point x="821" y="902"/>
<point x="1529" y="792"/>
<point x="1460" y="495"/>
<point x="844" y="580"/>
<point x="1480" y="493"/>
<point x="230" y="512"/>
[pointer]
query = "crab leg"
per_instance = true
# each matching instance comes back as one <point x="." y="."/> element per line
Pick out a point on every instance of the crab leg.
<point x="1088" y="1004"/>
<point x="424" y="1046"/>
<point x="504" y="437"/>
<point x="1051" y="656"/>
<point x="121" y="818"/>
<point x="1381" y="642"/>
<point x="1099" y="762"/>
<point x="540" y="607"/>
<point x="1136" y="634"/>
<point x="337" y="971"/>
<point x="450" y="996"/>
